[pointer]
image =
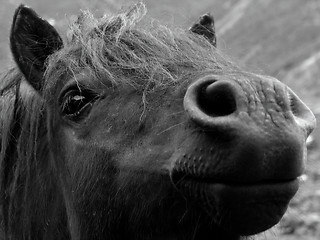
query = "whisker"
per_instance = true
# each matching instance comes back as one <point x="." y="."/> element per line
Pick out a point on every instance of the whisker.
<point x="196" y="229"/>
<point x="169" y="115"/>
<point x="175" y="113"/>
<point x="181" y="179"/>
<point x="169" y="128"/>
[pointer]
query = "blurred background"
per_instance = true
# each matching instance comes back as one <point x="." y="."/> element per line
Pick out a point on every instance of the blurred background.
<point x="280" y="38"/>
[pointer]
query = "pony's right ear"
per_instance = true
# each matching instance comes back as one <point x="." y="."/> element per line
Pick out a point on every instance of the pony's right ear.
<point x="205" y="27"/>
<point x="32" y="40"/>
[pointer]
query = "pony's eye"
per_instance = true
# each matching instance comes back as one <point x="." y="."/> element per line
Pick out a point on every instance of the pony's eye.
<point x="76" y="103"/>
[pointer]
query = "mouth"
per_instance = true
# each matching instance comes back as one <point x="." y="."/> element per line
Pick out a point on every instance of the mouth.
<point x="245" y="207"/>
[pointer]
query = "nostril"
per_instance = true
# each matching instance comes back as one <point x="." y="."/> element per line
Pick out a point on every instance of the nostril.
<point x="296" y="106"/>
<point x="213" y="102"/>
<point x="302" y="114"/>
<point x="218" y="99"/>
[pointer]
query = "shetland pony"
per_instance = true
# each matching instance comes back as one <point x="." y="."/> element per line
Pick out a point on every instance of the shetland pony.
<point x="132" y="130"/>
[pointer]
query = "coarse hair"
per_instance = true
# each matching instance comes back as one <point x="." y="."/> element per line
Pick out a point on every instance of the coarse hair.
<point x="136" y="50"/>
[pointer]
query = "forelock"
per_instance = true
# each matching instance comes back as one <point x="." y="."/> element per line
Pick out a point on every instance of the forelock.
<point x="128" y="46"/>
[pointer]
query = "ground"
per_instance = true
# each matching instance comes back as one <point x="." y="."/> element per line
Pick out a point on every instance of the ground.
<point x="276" y="37"/>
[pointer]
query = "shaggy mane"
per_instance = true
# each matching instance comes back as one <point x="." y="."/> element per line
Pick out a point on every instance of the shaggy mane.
<point x="132" y="49"/>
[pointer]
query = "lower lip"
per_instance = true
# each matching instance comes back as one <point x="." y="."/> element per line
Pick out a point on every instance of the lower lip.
<point x="253" y="192"/>
<point x="251" y="208"/>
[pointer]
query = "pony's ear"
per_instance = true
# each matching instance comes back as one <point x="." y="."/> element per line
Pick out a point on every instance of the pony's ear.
<point x="32" y="40"/>
<point x="205" y="27"/>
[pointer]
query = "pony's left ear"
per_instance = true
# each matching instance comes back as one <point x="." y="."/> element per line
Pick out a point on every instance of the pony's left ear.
<point x="32" y="40"/>
<point x="205" y="27"/>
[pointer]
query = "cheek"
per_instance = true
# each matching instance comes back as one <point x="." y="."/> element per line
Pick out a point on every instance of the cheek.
<point x="153" y="146"/>
<point x="86" y="161"/>
<point x="126" y="141"/>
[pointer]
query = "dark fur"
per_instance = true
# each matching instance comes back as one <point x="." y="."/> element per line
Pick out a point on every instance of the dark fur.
<point x="35" y="204"/>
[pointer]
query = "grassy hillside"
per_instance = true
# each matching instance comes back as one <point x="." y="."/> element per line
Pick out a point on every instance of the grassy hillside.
<point x="277" y="37"/>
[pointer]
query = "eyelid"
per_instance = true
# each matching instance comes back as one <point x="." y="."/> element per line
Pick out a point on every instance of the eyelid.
<point x="75" y="92"/>
<point x="74" y="88"/>
<point x="72" y="85"/>
<point x="80" y="79"/>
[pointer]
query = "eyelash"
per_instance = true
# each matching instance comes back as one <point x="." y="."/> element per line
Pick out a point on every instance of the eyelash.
<point x="76" y="103"/>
